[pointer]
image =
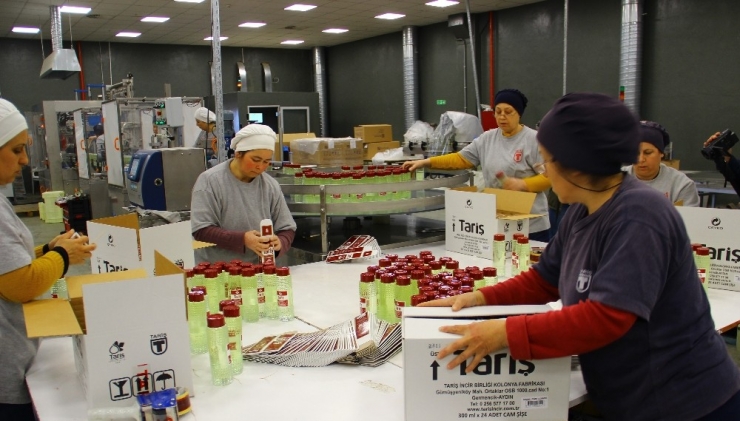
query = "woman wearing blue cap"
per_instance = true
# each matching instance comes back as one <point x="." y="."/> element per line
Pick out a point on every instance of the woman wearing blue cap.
<point x="649" y="169"/>
<point x="506" y="155"/>
<point x="634" y="310"/>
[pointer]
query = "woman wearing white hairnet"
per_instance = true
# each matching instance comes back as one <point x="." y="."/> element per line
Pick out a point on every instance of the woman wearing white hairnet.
<point x="206" y="121"/>
<point x="25" y="272"/>
<point x="230" y="199"/>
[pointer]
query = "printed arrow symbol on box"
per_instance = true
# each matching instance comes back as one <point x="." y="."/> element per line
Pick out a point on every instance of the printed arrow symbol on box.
<point x="435" y="366"/>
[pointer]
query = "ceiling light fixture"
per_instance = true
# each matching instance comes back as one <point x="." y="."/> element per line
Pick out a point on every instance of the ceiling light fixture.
<point x="293" y="42"/>
<point x="155" y="19"/>
<point x="211" y="38"/>
<point x="335" y="30"/>
<point x="25" y="30"/>
<point x="128" y="34"/>
<point x="252" y="25"/>
<point x="300" y="7"/>
<point x="389" y="16"/>
<point x="442" y="3"/>
<point x="75" y="9"/>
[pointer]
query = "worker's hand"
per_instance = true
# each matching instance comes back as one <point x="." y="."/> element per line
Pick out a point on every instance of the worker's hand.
<point x="414" y="165"/>
<point x="513" y="183"/>
<point x="478" y="340"/>
<point x="256" y="243"/>
<point x="711" y="138"/>
<point x="275" y="243"/>
<point x="56" y="239"/>
<point x="214" y="145"/>
<point x="78" y="249"/>
<point x="469" y="299"/>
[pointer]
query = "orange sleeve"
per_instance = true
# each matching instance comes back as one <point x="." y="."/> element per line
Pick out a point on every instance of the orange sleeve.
<point x="26" y="283"/>
<point x="451" y="161"/>
<point x="537" y="183"/>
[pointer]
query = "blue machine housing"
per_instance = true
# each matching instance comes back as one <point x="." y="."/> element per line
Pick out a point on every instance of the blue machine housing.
<point x="146" y="180"/>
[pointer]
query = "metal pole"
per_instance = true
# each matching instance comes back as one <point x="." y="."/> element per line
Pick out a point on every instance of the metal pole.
<point x="472" y="53"/>
<point x="324" y="222"/>
<point x="565" y="46"/>
<point x="217" y="77"/>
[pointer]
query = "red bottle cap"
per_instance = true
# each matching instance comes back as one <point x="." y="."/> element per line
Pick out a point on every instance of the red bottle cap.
<point x="384" y="263"/>
<point x="702" y="251"/>
<point x="489" y="272"/>
<point x="199" y="270"/>
<point x="517" y="236"/>
<point x="231" y="311"/>
<point x="211" y="273"/>
<point x="199" y="288"/>
<point x="423" y="283"/>
<point x="283" y="271"/>
<point x="468" y="282"/>
<point x="236" y="262"/>
<point x="417" y="299"/>
<point x="391" y="257"/>
<point x="425" y="253"/>
<point x="190" y="273"/>
<point x="379" y="273"/>
<point x="430" y="295"/>
<point x="499" y="237"/>
<point x="452" y="265"/>
<point x="258" y="268"/>
<point x="695" y="246"/>
<point x="224" y="303"/>
<point x="454" y="284"/>
<point x="246" y="265"/>
<point x="358" y="167"/>
<point x="196" y="296"/>
<point x="248" y="271"/>
<point x="345" y="168"/>
<point x="373" y="268"/>
<point x="435" y="265"/>
<point x="235" y="270"/>
<point x="367" y="277"/>
<point x="471" y="268"/>
<point x="268" y="270"/>
<point x="216" y="320"/>
<point x="410" y="257"/>
<point x="417" y="274"/>
<point x="403" y="280"/>
<point x="464" y="289"/>
<point x="523" y="240"/>
<point x="387" y="278"/>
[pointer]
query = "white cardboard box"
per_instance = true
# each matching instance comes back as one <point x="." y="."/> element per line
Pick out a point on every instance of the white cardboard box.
<point x="123" y="245"/>
<point x="499" y="387"/>
<point x="130" y="332"/>
<point x="719" y="230"/>
<point x="472" y="218"/>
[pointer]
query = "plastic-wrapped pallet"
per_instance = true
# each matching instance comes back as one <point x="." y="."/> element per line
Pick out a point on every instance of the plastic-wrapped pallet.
<point x="52" y="212"/>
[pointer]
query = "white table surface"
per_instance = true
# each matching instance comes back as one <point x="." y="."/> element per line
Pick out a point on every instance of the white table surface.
<point x="325" y="294"/>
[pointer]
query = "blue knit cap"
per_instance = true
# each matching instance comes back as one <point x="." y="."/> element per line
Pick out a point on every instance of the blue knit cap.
<point x="655" y="134"/>
<point x="591" y="133"/>
<point x="512" y="97"/>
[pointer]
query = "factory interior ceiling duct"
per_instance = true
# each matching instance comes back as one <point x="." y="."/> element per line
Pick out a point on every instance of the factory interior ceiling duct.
<point x="61" y="63"/>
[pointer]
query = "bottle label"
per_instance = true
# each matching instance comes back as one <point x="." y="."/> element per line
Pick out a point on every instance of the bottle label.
<point x="359" y="195"/>
<point x="399" y="308"/>
<point x="261" y="295"/>
<point x="363" y="305"/>
<point x="702" y="275"/>
<point x="283" y="300"/>
<point x="232" y="339"/>
<point x="336" y="196"/>
<point x="236" y="295"/>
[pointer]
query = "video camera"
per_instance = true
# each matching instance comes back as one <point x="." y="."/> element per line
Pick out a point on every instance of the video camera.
<point x="719" y="146"/>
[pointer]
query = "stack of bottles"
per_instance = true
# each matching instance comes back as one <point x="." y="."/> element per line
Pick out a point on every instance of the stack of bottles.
<point x="358" y="175"/>
<point x="398" y="282"/>
<point x="702" y="262"/>
<point x="222" y="296"/>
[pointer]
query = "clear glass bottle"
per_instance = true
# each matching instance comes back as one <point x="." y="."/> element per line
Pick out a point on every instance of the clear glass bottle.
<point x="346" y="180"/>
<point x="695" y="246"/>
<point x="235" y="285"/>
<point x="478" y="279"/>
<point x="234" y="328"/>
<point x="524" y="252"/>
<point x="218" y="350"/>
<point x="284" y="295"/>
<point x="59" y="289"/>
<point x="514" y="270"/>
<point x="189" y="273"/>
<point x="499" y="252"/>
<point x="382" y="178"/>
<point x="386" y="298"/>
<point x="402" y="296"/>
<point x="260" y="290"/>
<point x="359" y="195"/>
<point x="250" y="301"/>
<point x="223" y="279"/>
<point x="367" y="292"/>
<point x="271" y="300"/>
<point x="490" y="277"/>
<point x="703" y="264"/>
<point x="213" y="289"/>
<point x="197" y="322"/>
<point x="336" y="179"/>
<point x="370" y="178"/>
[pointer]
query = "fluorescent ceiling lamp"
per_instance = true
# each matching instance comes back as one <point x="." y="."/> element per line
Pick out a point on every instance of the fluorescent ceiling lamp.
<point x="211" y="38"/>
<point x="252" y="25"/>
<point x="335" y="30"/>
<point x="75" y="9"/>
<point x="128" y="34"/>
<point x="190" y="1"/>
<point x="443" y="3"/>
<point x="301" y="7"/>
<point x="389" y="16"/>
<point x="25" y="30"/>
<point x="293" y="42"/>
<point x="155" y="19"/>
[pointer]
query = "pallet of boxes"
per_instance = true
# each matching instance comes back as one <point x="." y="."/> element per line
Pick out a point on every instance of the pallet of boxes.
<point x="375" y="138"/>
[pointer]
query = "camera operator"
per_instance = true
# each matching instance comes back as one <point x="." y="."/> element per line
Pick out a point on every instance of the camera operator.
<point x="726" y="164"/>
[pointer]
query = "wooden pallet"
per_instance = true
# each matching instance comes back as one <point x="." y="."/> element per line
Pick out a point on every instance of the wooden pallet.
<point x="30" y="209"/>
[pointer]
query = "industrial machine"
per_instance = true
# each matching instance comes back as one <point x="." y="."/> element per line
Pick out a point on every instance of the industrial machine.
<point x="163" y="179"/>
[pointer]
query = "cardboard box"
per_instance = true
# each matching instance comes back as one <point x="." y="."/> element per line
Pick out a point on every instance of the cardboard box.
<point x="673" y="163"/>
<point x="372" y="148"/>
<point x="122" y="245"/>
<point x="718" y="230"/>
<point x="499" y="387"/>
<point x="374" y="132"/>
<point x="470" y="223"/>
<point x="131" y="334"/>
<point x="327" y="151"/>
<point x="289" y="137"/>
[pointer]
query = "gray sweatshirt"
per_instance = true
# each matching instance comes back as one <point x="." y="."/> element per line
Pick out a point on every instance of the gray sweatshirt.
<point x="674" y="184"/>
